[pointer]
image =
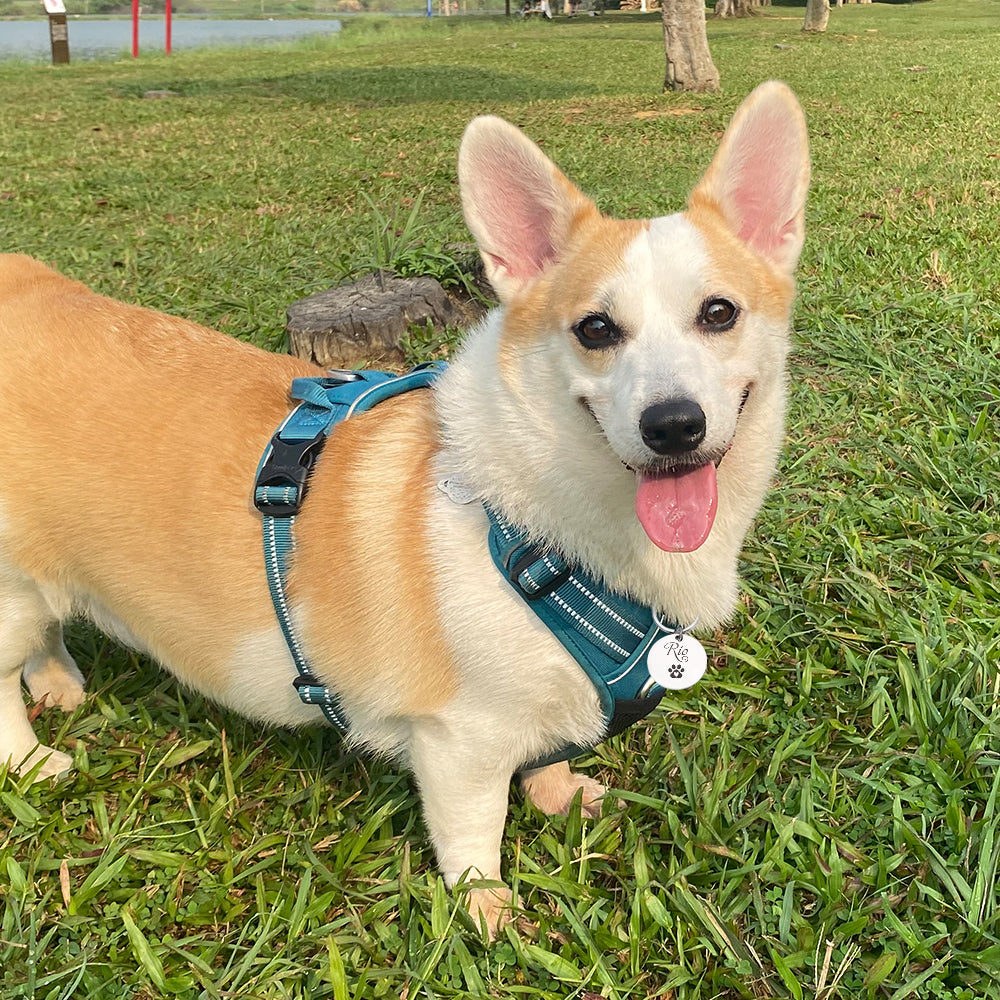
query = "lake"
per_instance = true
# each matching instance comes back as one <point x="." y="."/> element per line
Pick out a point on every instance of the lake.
<point x="93" y="39"/>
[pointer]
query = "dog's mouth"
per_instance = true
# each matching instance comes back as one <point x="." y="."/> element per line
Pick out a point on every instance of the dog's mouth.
<point x="677" y="504"/>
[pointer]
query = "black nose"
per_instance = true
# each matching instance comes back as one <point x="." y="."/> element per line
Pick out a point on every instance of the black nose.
<point x="674" y="426"/>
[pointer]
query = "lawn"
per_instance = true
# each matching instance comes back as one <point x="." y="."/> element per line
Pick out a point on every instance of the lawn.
<point x="819" y="817"/>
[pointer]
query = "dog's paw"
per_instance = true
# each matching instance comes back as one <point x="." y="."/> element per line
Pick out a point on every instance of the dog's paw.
<point x="494" y="907"/>
<point x="55" y="763"/>
<point x="57" y="682"/>
<point x="552" y="789"/>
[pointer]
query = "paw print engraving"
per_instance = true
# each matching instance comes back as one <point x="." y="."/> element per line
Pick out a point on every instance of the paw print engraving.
<point x="676" y="671"/>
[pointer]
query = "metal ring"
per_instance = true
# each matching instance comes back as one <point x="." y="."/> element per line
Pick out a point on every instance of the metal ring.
<point x="677" y="630"/>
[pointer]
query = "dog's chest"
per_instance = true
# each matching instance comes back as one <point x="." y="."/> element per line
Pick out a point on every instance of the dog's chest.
<point x="506" y="655"/>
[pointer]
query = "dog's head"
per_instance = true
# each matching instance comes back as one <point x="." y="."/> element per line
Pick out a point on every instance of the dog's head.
<point x="670" y="335"/>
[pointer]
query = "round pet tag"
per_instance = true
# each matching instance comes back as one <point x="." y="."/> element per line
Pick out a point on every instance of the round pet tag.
<point x="677" y="661"/>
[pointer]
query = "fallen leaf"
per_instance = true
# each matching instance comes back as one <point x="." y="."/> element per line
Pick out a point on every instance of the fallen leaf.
<point x="667" y="113"/>
<point x="64" y="881"/>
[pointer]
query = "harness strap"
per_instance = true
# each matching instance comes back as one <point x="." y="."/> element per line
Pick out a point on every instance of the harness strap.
<point x="606" y="633"/>
<point x="283" y="480"/>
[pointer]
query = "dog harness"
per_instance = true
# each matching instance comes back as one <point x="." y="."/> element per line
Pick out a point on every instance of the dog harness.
<point x="607" y="634"/>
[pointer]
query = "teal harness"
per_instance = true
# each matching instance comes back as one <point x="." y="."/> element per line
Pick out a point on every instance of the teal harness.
<point x="607" y="634"/>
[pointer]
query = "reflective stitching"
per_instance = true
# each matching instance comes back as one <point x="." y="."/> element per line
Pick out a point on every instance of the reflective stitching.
<point x="279" y="587"/>
<point x="590" y="628"/>
<point x="357" y="399"/>
<point x="641" y="655"/>
<point x="604" y="607"/>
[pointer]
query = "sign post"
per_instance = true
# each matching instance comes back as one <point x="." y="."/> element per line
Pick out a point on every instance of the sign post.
<point x="58" y="31"/>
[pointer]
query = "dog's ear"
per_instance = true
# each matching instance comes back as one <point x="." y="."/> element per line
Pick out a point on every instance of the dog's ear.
<point x="517" y="204"/>
<point x="760" y="175"/>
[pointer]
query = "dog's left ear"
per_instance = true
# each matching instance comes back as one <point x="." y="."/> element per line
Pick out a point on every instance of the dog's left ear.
<point x="518" y="205"/>
<point x="760" y="175"/>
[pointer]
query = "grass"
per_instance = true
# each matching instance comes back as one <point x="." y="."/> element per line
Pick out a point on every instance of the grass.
<point x="819" y="818"/>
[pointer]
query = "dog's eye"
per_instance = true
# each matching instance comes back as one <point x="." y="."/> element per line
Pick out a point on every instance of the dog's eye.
<point x="597" y="330"/>
<point x="718" y="315"/>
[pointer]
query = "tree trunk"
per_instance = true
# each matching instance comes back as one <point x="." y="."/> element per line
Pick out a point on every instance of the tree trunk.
<point x="738" y="8"/>
<point x="817" y="14"/>
<point x="689" y="63"/>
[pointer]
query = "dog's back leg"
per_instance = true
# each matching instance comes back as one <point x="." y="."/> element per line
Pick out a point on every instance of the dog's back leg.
<point x="52" y="674"/>
<point x="553" y="788"/>
<point x="28" y="634"/>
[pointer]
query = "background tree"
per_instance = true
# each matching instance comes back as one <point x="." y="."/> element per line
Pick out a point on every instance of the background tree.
<point x="738" y="8"/>
<point x="689" y="62"/>
<point x="817" y="14"/>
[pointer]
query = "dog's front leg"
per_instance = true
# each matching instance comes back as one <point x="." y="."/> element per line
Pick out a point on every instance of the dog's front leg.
<point x="464" y="794"/>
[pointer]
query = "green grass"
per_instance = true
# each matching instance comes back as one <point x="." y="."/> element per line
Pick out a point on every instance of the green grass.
<point x="819" y="818"/>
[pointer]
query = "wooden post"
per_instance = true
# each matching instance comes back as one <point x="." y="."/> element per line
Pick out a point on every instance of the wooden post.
<point x="58" y="31"/>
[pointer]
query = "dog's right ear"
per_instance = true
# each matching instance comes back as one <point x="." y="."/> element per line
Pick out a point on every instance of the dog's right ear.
<point x="518" y="205"/>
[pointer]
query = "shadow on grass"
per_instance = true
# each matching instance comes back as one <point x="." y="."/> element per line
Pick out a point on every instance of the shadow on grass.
<point x="397" y="85"/>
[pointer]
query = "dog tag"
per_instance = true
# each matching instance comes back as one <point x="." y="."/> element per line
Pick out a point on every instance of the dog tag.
<point x="677" y="661"/>
<point x="457" y="491"/>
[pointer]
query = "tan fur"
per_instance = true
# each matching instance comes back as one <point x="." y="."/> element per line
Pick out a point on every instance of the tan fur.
<point x="763" y="288"/>
<point x="566" y="292"/>
<point x="374" y="525"/>
<point x="63" y="345"/>
<point x="195" y="409"/>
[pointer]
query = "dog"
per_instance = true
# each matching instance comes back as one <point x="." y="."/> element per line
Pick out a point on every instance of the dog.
<point x="623" y="406"/>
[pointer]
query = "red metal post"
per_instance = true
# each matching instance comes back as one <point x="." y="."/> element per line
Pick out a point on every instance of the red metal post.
<point x="169" y="26"/>
<point x="135" y="29"/>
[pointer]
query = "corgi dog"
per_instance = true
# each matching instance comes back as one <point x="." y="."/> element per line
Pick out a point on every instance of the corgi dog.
<point x="623" y="406"/>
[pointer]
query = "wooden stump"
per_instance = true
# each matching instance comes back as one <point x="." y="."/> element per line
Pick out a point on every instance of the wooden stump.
<point x="364" y="322"/>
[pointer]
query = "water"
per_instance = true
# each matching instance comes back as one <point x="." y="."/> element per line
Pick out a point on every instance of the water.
<point x="113" y="39"/>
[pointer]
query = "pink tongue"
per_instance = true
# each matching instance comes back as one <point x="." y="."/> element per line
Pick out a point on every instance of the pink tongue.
<point x="677" y="509"/>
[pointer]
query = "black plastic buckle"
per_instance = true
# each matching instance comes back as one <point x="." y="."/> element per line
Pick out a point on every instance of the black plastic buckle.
<point x="288" y="463"/>
<point x="629" y="711"/>
<point x="530" y="556"/>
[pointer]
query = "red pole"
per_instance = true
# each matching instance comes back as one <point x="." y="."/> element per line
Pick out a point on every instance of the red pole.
<point x="169" y="13"/>
<point x="135" y="29"/>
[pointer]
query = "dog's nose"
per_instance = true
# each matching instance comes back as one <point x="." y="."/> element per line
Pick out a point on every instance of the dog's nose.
<point x="673" y="426"/>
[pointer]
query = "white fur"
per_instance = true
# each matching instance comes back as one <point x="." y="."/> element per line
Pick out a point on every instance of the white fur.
<point x="259" y="683"/>
<point x="26" y="623"/>
<point x="538" y="454"/>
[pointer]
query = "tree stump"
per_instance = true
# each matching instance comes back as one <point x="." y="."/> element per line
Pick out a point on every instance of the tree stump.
<point x="365" y="321"/>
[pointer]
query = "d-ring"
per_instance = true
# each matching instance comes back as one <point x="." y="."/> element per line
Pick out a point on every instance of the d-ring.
<point x="676" y="629"/>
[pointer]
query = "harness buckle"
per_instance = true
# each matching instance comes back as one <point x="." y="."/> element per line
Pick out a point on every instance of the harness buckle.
<point x="534" y="557"/>
<point x="281" y="481"/>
